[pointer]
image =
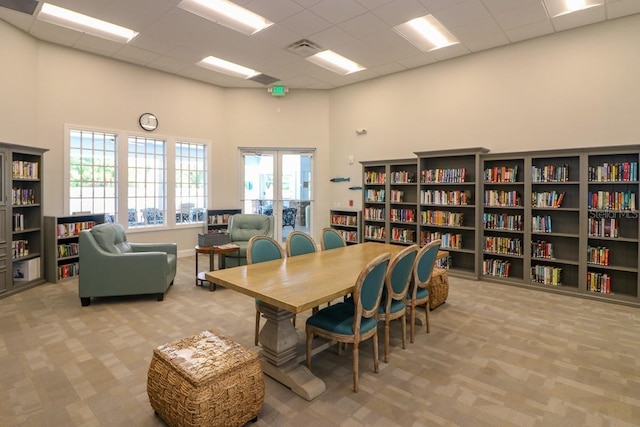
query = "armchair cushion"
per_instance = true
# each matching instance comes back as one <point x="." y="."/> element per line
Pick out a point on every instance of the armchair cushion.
<point x="242" y="227"/>
<point x="111" y="238"/>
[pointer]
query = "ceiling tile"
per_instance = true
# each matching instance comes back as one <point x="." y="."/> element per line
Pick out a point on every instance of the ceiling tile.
<point x="616" y="9"/>
<point x="337" y="11"/>
<point x="579" y="19"/>
<point x="514" y="18"/>
<point x="305" y="23"/>
<point x="397" y="12"/>
<point x="363" y="25"/>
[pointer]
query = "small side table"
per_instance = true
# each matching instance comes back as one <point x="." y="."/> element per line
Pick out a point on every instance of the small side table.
<point x="221" y="251"/>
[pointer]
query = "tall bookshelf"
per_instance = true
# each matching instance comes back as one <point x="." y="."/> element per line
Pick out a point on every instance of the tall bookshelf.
<point x="21" y="214"/>
<point x="217" y="220"/>
<point x="61" y="236"/>
<point x="449" y="207"/>
<point x="348" y="223"/>
<point x="374" y="202"/>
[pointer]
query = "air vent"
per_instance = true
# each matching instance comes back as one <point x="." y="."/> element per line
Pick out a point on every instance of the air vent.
<point x="24" y="6"/>
<point x="264" y="79"/>
<point x="304" y="48"/>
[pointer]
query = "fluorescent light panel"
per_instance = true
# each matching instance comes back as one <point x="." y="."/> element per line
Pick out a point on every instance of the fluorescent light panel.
<point x="226" y="13"/>
<point x="226" y="67"/>
<point x="426" y="33"/>
<point x="86" y="24"/>
<point x="563" y="7"/>
<point x="334" y="62"/>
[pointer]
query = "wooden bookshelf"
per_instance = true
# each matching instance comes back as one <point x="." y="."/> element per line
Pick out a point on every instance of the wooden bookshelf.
<point x="348" y="223"/>
<point x="217" y="220"/>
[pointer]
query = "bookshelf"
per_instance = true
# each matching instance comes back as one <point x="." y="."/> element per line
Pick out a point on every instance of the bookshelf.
<point x="374" y="202"/>
<point x="348" y="223"/>
<point x="61" y="244"/>
<point x="448" y="205"/>
<point x="218" y="219"/>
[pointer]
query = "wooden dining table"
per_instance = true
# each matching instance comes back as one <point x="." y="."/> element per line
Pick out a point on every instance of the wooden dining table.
<point x="290" y="286"/>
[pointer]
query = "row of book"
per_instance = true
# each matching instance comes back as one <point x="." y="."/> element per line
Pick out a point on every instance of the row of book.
<point x="603" y="227"/>
<point x="452" y="219"/>
<point x="547" y="199"/>
<point x="541" y="223"/>
<point x="550" y="173"/>
<point x="598" y="255"/>
<point x="546" y="275"/>
<point x="542" y="249"/>
<point x="449" y="240"/>
<point x="455" y="175"/>
<point x="598" y="282"/>
<point x="375" y="195"/>
<point x="23" y="196"/>
<point x="374" y="214"/>
<point x="612" y="200"/>
<point x="403" y="235"/>
<point x="218" y="219"/>
<point x="446" y="263"/>
<point x="501" y="198"/>
<point x="71" y="229"/>
<point x="403" y="177"/>
<point x="402" y="215"/>
<point x="502" y="221"/>
<point x="502" y="245"/>
<point x="501" y="174"/>
<point x="22" y="169"/>
<point x="18" y="222"/>
<point x="496" y="267"/>
<point x="374" y="232"/>
<point x="442" y="197"/>
<point x="349" y="236"/>
<point x="613" y="172"/>
<point x="68" y="250"/>
<point x="19" y="248"/>
<point x="348" y="220"/>
<point x="373" y="177"/>
<point x="397" y="196"/>
<point x="68" y="270"/>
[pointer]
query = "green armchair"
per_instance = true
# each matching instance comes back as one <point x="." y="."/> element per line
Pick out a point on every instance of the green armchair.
<point x="243" y="227"/>
<point x="113" y="266"/>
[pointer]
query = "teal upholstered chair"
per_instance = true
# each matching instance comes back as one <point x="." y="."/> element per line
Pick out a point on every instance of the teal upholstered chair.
<point x="418" y="293"/>
<point x="299" y="243"/>
<point x="261" y="249"/>
<point x="394" y="294"/>
<point x="243" y="227"/>
<point x="356" y="322"/>
<point x="332" y="239"/>
<point x="112" y="266"/>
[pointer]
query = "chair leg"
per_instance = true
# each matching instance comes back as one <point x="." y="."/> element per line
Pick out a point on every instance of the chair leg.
<point x="412" y="323"/>
<point x="356" y="356"/>
<point x="386" y="339"/>
<point x="426" y="315"/>
<point x="403" y="319"/>
<point x="376" y="364"/>
<point x="257" y="332"/>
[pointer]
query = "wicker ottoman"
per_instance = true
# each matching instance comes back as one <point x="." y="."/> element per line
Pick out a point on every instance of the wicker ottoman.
<point x="438" y="287"/>
<point x="205" y="380"/>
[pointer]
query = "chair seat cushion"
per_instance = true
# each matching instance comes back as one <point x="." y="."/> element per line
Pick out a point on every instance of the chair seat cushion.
<point x="338" y="319"/>
<point x="396" y="306"/>
<point x="421" y="294"/>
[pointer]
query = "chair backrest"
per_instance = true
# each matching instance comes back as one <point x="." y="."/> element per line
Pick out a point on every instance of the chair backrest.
<point x="368" y="290"/>
<point x="243" y="227"/>
<point x="332" y="239"/>
<point x="399" y="274"/>
<point x="263" y="248"/>
<point x="299" y="243"/>
<point x="111" y="238"/>
<point x="423" y="266"/>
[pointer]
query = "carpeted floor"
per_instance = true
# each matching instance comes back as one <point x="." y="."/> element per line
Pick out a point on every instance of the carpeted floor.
<point x="496" y="356"/>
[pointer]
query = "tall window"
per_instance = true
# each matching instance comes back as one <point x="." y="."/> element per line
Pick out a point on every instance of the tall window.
<point x="191" y="182"/>
<point x="93" y="172"/>
<point x="147" y="177"/>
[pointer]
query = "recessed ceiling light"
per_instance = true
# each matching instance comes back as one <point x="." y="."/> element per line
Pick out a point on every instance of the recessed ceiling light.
<point x="335" y="62"/>
<point x="226" y="13"/>
<point x="86" y="24"/>
<point x="226" y="67"/>
<point x="562" y="7"/>
<point x="426" y="33"/>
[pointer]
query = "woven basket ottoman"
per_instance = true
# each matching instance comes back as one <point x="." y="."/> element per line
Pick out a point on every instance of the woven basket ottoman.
<point x="205" y="380"/>
<point x="438" y="287"/>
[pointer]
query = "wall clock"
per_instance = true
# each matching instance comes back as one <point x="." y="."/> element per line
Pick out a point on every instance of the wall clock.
<point x="148" y="122"/>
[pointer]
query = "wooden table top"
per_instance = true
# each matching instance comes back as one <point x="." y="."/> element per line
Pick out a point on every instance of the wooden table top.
<point x="299" y="283"/>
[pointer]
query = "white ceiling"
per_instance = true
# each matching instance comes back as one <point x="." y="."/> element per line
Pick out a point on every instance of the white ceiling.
<point x="173" y="40"/>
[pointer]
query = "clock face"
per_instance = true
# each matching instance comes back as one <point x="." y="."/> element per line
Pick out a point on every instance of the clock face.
<point x="148" y="122"/>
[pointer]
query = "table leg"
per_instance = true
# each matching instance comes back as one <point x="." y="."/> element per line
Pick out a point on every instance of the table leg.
<point x="279" y="339"/>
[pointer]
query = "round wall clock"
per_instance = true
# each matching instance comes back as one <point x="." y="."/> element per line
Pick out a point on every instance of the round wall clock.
<point x="148" y="121"/>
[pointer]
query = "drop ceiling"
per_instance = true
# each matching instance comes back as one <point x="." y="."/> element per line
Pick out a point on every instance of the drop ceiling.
<point x="173" y="40"/>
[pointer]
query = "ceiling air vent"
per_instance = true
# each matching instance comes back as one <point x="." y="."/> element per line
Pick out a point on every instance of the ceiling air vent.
<point x="304" y="48"/>
<point x="264" y="79"/>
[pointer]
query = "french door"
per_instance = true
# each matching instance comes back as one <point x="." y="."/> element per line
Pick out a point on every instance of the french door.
<point x="278" y="182"/>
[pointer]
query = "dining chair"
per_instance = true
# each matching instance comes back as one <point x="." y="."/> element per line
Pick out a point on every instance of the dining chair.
<point x="392" y="305"/>
<point x="353" y="323"/>
<point x="262" y="248"/>
<point x="418" y="293"/>
<point x="300" y="243"/>
<point x="331" y="239"/>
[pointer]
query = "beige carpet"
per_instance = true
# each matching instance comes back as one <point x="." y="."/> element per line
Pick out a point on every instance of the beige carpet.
<point x="496" y="356"/>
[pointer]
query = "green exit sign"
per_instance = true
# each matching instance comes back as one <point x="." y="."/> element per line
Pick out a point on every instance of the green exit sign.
<point x="278" y="91"/>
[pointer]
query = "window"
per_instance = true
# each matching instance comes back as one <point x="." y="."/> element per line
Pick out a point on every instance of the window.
<point x="93" y="172"/>
<point x="147" y="177"/>
<point x="191" y="182"/>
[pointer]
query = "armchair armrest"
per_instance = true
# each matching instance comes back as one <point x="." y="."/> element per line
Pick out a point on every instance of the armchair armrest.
<point x="169" y="248"/>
